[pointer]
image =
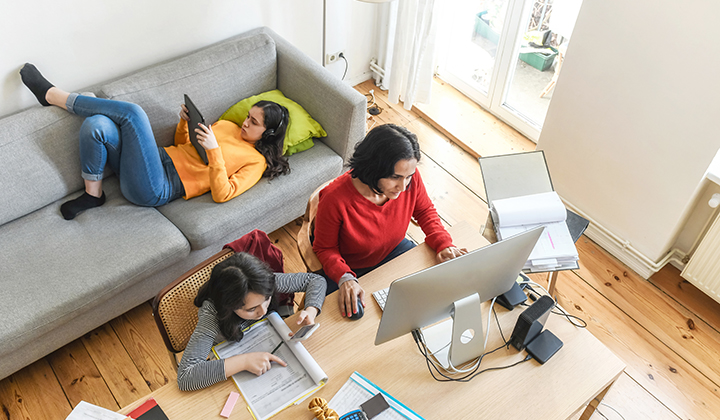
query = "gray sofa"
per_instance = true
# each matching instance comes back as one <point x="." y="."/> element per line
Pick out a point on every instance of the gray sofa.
<point x="60" y="279"/>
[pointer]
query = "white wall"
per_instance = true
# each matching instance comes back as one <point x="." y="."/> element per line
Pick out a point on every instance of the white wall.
<point x="79" y="43"/>
<point x="633" y="121"/>
<point x="351" y="29"/>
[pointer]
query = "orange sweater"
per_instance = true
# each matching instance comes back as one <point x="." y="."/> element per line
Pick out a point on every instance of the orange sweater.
<point x="232" y="168"/>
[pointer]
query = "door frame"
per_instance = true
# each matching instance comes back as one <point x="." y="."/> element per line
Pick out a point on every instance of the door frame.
<point x="508" y="48"/>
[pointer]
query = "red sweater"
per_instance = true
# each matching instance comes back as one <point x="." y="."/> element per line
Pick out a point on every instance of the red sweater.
<point x="352" y="232"/>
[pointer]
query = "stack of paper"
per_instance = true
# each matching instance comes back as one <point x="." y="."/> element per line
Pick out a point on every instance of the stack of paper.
<point x="555" y="249"/>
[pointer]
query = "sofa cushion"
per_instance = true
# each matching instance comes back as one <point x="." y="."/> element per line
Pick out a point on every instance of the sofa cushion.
<point x="266" y="206"/>
<point x="40" y="161"/>
<point x="53" y="269"/>
<point x="215" y="78"/>
<point x="301" y="127"/>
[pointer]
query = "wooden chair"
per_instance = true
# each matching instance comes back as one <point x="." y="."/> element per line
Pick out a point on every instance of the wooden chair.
<point x="308" y="227"/>
<point x="173" y="308"/>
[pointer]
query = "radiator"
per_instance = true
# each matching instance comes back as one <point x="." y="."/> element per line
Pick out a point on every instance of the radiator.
<point x="703" y="269"/>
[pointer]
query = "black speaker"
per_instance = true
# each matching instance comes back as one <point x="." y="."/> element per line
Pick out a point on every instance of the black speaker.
<point x="531" y="322"/>
<point x="513" y="297"/>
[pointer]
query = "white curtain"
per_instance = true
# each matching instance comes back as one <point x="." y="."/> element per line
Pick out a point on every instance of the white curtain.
<point x="407" y="50"/>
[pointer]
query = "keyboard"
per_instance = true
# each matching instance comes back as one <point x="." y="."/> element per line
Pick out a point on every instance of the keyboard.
<point x="381" y="297"/>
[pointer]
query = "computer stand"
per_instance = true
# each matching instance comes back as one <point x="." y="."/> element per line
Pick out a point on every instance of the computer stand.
<point x="464" y="332"/>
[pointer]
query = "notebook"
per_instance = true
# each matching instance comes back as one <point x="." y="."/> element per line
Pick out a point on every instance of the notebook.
<point x="195" y="119"/>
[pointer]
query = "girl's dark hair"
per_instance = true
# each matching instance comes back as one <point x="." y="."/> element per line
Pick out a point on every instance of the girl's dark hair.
<point x="270" y="145"/>
<point x="376" y="155"/>
<point x="230" y="282"/>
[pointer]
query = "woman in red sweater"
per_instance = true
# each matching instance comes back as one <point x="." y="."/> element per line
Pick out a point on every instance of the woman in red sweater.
<point x="119" y="133"/>
<point x="363" y="215"/>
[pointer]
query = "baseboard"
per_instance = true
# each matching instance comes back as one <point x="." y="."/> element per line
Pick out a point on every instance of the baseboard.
<point x="619" y="251"/>
<point x="631" y="257"/>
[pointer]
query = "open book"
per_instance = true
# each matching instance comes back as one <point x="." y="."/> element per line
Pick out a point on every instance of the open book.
<point x="280" y="387"/>
<point x="555" y="249"/>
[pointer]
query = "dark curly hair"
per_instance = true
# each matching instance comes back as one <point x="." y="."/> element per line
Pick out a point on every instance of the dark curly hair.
<point x="376" y="155"/>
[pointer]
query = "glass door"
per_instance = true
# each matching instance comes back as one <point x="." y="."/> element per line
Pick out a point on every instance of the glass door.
<point x="507" y="54"/>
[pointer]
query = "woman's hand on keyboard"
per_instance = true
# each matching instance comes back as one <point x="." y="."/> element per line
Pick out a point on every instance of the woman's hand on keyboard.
<point x="449" y="253"/>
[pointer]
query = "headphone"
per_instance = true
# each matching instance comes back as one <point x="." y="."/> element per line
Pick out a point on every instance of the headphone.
<point x="270" y="131"/>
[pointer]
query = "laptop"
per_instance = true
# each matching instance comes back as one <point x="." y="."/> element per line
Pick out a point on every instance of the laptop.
<point x="195" y="119"/>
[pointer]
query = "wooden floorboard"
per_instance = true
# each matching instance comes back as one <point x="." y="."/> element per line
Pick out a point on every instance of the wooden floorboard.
<point x="40" y="393"/>
<point x="461" y="165"/>
<point x="147" y="351"/>
<point x="388" y="113"/>
<point x="690" y="297"/>
<point x="665" y="329"/>
<point x="79" y="377"/>
<point x="12" y="402"/>
<point x="469" y="125"/>
<point x="115" y="364"/>
<point x="653" y="365"/>
<point x="292" y="260"/>
<point x="453" y="201"/>
<point x="683" y="332"/>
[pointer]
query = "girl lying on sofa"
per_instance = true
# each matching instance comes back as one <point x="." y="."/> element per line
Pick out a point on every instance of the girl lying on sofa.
<point x="118" y="133"/>
<point x="237" y="294"/>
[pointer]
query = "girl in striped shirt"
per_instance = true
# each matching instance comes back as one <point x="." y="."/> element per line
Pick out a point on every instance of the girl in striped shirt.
<point x="238" y="293"/>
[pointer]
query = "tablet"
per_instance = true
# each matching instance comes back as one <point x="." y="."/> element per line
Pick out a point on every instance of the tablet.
<point x="195" y="118"/>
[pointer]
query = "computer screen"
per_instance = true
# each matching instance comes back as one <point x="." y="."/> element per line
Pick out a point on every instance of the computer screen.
<point x="429" y="296"/>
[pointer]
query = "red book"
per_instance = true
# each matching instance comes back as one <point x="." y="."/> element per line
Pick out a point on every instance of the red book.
<point x="149" y="410"/>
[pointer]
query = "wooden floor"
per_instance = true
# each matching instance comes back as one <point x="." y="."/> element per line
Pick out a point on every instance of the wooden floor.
<point x="665" y="330"/>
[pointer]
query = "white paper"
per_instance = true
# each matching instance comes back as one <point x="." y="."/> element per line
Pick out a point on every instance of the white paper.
<point x="555" y="249"/>
<point x="529" y="210"/>
<point x="279" y="387"/>
<point x="87" y="411"/>
<point x="312" y="367"/>
<point x="357" y="390"/>
<point x="437" y="339"/>
<point x="554" y="242"/>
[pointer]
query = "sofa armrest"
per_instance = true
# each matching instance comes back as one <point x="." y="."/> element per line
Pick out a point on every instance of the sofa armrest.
<point x="339" y="108"/>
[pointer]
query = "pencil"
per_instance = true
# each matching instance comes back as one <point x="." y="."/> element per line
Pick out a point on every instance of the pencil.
<point x="277" y="347"/>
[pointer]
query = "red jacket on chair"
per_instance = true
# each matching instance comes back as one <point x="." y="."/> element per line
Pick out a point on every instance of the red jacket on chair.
<point x="259" y="244"/>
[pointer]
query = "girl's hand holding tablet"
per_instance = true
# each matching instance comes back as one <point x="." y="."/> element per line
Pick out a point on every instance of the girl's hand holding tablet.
<point x="206" y="137"/>
<point x="307" y="316"/>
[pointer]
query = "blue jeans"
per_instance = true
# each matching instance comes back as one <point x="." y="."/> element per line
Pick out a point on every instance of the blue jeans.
<point x="404" y="246"/>
<point x="118" y="133"/>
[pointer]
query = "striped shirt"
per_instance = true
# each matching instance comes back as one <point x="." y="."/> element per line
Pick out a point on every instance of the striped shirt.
<point x="195" y="371"/>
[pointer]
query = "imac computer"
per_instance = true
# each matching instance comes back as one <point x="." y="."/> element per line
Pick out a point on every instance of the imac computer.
<point x="456" y="288"/>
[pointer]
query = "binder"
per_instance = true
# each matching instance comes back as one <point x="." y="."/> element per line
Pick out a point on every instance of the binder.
<point x="526" y="176"/>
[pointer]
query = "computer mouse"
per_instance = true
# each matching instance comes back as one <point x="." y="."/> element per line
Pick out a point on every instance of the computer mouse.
<point x="360" y="311"/>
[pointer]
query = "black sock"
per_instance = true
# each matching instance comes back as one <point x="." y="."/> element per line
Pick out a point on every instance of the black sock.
<point x="86" y="201"/>
<point x="35" y="81"/>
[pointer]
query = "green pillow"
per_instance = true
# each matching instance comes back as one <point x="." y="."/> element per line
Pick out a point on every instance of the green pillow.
<point x="301" y="129"/>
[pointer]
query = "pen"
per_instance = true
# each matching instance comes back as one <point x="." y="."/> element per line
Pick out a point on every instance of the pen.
<point x="277" y="347"/>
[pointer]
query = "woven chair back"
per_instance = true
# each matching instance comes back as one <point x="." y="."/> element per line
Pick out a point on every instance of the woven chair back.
<point x="173" y="308"/>
<point x="306" y="231"/>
